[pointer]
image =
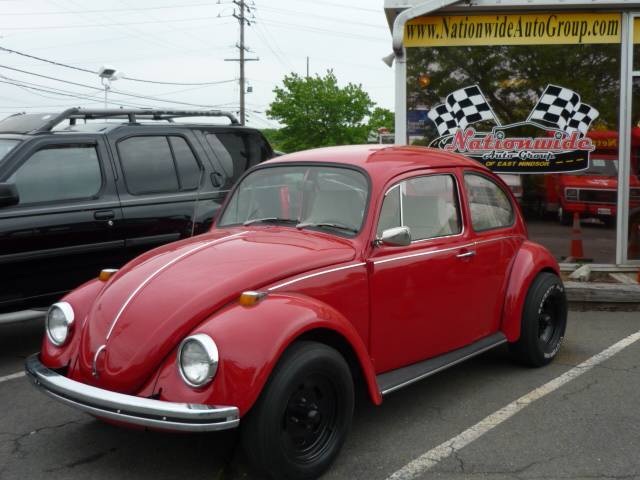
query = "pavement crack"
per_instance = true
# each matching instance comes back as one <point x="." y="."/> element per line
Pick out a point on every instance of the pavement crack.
<point x="585" y="388"/>
<point x="82" y="461"/>
<point x="17" y="438"/>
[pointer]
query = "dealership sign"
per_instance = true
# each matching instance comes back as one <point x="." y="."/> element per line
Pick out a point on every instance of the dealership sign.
<point x="559" y="122"/>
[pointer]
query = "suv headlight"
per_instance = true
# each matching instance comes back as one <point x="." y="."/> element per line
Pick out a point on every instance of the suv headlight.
<point x="571" y="193"/>
<point x="59" y="321"/>
<point x="197" y="360"/>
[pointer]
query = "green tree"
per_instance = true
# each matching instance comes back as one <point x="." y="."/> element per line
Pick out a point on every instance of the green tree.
<point x="381" y="118"/>
<point x="316" y="112"/>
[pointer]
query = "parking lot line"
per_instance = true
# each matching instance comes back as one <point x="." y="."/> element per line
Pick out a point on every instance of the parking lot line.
<point x="6" y="378"/>
<point x="431" y="458"/>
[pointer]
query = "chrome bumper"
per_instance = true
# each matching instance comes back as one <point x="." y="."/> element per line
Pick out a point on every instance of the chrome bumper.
<point x="129" y="408"/>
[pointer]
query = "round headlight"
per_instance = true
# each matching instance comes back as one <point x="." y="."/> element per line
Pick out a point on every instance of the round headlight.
<point x="197" y="360"/>
<point x="59" y="320"/>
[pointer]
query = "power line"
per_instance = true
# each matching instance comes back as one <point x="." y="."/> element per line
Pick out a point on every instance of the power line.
<point x="307" y="28"/>
<point x="61" y="93"/>
<point x="110" y="10"/>
<point x="119" y="92"/>
<point x="115" y="24"/>
<point x="340" y="5"/>
<point x="284" y="11"/>
<point x="86" y="70"/>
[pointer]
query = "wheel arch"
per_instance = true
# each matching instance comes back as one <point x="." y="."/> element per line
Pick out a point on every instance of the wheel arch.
<point x="252" y="340"/>
<point x="531" y="260"/>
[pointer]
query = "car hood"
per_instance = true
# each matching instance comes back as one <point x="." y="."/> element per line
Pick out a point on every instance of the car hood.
<point x="150" y="305"/>
<point x="589" y="181"/>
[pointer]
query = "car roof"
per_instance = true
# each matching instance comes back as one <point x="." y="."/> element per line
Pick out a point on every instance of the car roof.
<point x="381" y="160"/>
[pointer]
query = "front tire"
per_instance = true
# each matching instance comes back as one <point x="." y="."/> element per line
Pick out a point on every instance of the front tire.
<point x="300" y="422"/>
<point x="544" y="321"/>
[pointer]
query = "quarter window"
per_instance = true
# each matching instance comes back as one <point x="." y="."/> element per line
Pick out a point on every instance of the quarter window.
<point x="428" y="205"/>
<point x="490" y="206"/>
<point x="59" y="173"/>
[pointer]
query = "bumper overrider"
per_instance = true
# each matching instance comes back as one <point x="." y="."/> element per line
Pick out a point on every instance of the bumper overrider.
<point x="130" y="409"/>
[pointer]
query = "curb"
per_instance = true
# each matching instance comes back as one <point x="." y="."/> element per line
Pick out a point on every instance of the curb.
<point x="602" y="292"/>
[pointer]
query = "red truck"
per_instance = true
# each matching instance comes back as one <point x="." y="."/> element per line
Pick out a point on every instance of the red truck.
<point x="593" y="193"/>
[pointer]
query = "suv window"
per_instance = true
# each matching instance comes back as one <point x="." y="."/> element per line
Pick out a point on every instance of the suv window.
<point x="158" y="164"/>
<point x="239" y="151"/>
<point x="489" y="204"/>
<point x="188" y="167"/>
<point x="59" y="173"/>
<point x="428" y="205"/>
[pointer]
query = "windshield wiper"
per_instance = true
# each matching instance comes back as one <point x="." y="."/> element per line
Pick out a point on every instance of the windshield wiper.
<point x="269" y="220"/>
<point x="338" y="226"/>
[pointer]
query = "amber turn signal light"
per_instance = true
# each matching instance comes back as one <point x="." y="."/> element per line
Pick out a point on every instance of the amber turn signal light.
<point x="106" y="274"/>
<point x="249" y="298"/>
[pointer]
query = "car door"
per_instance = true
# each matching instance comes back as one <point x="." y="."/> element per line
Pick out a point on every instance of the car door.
<point x="164" y="188"/>
<point x="419" y="306"/>
<point x="64" y="228"/>
<point x="492" y="217"/>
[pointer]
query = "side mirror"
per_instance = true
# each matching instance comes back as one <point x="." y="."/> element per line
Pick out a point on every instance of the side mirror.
<point x="8" y="195"/>
<point x="395" y="237"/>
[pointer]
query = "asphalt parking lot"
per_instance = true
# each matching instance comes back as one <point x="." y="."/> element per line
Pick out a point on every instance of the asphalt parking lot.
<point x="586" y="428"/>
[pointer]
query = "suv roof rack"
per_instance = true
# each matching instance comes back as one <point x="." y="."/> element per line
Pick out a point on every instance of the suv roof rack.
<point x="73" y="114"/>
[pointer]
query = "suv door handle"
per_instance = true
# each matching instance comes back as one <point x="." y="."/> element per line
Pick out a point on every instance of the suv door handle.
<point x="468" y="254"/>
<point x="104" y="215"/>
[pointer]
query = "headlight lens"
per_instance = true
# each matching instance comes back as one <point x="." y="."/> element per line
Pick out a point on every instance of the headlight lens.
<point x="59" y="320"/>
<point x="571" y="193"/>
<point x="198" y="360"/>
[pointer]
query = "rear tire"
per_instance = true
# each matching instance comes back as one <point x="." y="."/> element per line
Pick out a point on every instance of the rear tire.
<point x="301" y="420"/>
<point x="544" y="321"/>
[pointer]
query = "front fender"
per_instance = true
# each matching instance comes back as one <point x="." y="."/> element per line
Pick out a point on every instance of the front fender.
<point x="531" y="259"/>
<point x="81" y="299"/>
<point x="250" y="342"/>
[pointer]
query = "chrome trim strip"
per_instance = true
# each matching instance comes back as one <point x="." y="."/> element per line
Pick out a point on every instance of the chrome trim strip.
<point x="443" y="250"/>
<point x="160" y="270"/>
<point x="289" y="282"/>
<point x="424" y="254"/>
<point x="94" y="367"/>
<point x="129" y="408"/>
<point x="444" y="367"/>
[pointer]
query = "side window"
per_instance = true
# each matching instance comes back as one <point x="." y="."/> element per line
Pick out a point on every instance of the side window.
<point x="188" y="167"/>
<point x="236" y="145"/>
<point x="223" y="155"/>
<point x="59" y="173"/>
<point x="490" y="206"/>
<point x="428" y="205"/>
<point x="148" y="165"/>
<point x="390" y="213"/>
<point x="259" y="149"/>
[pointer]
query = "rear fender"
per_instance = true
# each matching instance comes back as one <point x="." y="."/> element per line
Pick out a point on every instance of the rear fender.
<point x="250" y="342"/>
<point x="530" y="261"/>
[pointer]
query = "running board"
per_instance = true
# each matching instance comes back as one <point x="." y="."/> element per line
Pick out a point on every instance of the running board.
<point x="396" y="379"/>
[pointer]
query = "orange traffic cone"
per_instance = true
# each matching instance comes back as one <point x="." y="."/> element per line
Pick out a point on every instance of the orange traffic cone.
<point x="577" y="252"/>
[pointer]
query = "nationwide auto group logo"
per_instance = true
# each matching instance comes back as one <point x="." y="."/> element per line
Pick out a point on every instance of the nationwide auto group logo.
<point x="560" y="119"/>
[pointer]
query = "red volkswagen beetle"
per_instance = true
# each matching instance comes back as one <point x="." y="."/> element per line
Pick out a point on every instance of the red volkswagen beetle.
<point x="326" y="270"/>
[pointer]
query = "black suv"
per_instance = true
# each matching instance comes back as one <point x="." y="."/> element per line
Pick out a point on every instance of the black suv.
<point x="87" y="189"/>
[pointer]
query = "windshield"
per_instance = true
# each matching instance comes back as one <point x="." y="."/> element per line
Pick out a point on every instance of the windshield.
<point x="328" y="198"/>
<point x="6" y="146"/>
<point x="602" y="166"/>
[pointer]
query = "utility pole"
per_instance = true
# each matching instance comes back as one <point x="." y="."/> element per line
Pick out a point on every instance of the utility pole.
<point x="242" y="19"/>
<point x="307" y="67"/>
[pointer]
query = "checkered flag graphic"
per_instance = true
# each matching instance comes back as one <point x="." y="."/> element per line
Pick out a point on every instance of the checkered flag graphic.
<point x="562" y="108"/>
<point x="461" y="108"/>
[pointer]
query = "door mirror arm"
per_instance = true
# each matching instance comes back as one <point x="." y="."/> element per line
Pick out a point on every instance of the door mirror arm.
<point x="394" y="237"/>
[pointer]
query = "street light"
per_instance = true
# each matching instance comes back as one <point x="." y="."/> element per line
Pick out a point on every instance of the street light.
<point x="107" y="75"/>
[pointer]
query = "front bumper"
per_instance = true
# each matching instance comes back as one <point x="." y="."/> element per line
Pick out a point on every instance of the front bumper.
<point x="130" y="409"/>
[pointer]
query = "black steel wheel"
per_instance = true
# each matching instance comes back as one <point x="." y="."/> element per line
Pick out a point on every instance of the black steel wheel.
<point x="544" y="321"/>
<point x="298" y="426"/>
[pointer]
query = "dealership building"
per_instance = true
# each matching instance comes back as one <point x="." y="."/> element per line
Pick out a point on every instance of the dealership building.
<point x="545" y="93"/>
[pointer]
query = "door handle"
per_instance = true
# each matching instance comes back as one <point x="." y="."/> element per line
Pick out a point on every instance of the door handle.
<point x="468" y="254"/>
<point x="104" y="215"/>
